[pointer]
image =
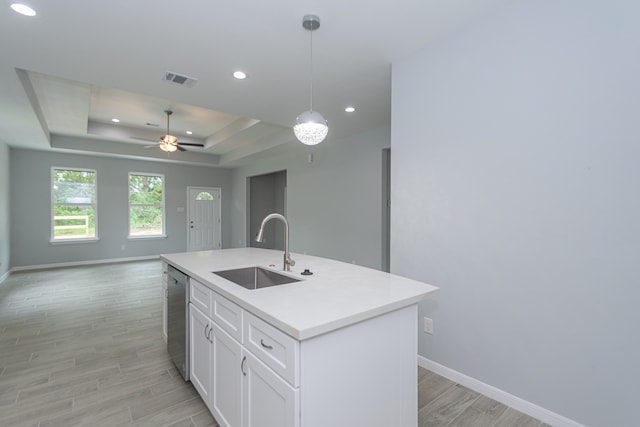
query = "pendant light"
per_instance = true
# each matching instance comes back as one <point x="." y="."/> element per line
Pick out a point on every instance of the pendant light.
<point x="311" y="128"/>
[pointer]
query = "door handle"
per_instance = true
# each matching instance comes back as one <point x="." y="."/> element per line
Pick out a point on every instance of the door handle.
<point x="206" y="334"/>
<point x="244" y="359"/>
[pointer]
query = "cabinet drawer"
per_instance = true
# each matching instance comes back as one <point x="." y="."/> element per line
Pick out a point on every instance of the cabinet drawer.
<point x="200" y="296"/>
<point x="274" y="348"/>
<point x="227" y="315"/>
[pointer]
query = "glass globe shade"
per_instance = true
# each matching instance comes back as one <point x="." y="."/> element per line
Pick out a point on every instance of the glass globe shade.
<point x="169" y="148"/>
<point x="311" y="128"/>
<point x="169" y="139"/>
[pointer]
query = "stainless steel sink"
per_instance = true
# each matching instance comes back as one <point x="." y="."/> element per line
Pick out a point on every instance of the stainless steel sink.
<point x="255" y="277"/>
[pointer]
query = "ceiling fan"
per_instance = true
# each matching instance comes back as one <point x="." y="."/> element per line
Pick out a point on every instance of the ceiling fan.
<point x="170" y="143"/>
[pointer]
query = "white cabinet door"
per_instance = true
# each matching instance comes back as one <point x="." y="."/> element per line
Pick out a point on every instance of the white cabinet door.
<point x="268" y="401"/>
<point x="200" y="350"/>
<point x="227" y="379"/>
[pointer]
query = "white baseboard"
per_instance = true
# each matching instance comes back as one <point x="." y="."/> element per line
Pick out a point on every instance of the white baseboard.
<point x="494" y="393"/>
<point x="79" y="263"/>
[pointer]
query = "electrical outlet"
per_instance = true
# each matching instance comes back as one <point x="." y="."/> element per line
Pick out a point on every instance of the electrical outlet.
<point x="428" y="325"/>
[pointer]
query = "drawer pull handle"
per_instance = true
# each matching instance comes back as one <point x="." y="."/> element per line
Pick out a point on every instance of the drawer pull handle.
<point x="206" y="334"/>
<point x="267" y="346"/>
<point x="244" y="359"/>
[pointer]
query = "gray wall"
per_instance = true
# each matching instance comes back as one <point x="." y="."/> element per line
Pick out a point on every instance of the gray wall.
<point x="5" y="230"/>
<point x="515" y="171"/>
<point x="31" y="207"/>
<point x="334" y="203"/>
<point x="267" y="195"/>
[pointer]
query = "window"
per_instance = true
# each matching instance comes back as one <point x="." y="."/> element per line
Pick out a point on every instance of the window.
<point x="146" y="205"/>
<point x="74" y="204"/>
<point x="204" y="195"/>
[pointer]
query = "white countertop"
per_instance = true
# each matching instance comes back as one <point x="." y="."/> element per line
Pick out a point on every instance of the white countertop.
<point x="336" y="295"/>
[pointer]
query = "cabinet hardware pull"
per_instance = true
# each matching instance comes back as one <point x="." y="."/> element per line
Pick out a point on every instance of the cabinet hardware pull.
<point x="206" y="334"/>
<point x="267" y="346"/>
<point x="244" y="359"/>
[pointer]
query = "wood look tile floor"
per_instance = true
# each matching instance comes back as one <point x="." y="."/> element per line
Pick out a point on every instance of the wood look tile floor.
<point x="83" y="346"/>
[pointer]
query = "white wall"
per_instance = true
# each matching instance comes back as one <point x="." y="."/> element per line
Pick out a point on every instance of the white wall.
<point x="5" y="230"/>
<point x="333" y="204"/>
<point x="515" y="173"/>
<point x="31" y="207"/>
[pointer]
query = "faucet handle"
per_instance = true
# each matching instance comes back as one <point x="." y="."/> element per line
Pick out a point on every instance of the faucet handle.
<point x="288" y="262"/>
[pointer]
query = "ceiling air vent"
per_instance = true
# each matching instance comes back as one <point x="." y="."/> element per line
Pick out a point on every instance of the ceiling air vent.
<point x="179" y="79"/>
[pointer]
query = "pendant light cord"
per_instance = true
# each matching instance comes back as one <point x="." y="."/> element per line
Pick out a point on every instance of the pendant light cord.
<point x="311" y="69"/>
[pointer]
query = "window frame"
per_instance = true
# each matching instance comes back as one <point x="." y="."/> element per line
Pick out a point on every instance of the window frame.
<point x="94" y="204"/>
<point x="162" y="206"/>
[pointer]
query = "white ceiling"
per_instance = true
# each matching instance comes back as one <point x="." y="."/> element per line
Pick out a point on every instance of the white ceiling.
<point x="65" y="73"/>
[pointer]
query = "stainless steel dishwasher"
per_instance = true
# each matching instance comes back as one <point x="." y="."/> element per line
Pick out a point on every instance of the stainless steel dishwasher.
<point x="177" y="319"/>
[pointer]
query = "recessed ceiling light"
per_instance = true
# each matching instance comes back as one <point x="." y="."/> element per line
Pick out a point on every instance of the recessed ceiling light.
<point x="23" y="9"/>
<point x="350" y="109"/>
<point x="189" y="132"/>
<point x="115" y="120"/>
<point x="240" y="75"/>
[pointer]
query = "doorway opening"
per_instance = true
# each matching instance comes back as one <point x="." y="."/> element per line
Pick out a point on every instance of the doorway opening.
<point x="386" y="210"/>
<point x="266" y="194"/>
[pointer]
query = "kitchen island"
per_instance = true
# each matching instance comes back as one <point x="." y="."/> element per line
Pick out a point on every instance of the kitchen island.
<point x="338" y="347"/>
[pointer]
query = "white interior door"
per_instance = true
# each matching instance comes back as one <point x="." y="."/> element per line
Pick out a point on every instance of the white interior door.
<point x="204" y="219"/>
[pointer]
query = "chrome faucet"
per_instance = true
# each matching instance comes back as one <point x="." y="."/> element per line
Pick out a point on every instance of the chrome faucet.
<point x="288" y="262"/>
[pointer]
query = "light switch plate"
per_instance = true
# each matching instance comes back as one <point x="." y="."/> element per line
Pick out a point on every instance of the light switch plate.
<point x="428" y="325"/>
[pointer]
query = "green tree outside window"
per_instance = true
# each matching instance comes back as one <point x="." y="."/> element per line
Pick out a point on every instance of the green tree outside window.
<point x="146" y="205"/>
<point x="74" y="204"/>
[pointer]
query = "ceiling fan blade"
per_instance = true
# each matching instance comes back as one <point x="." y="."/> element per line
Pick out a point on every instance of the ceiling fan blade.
<point x="181" y="149"/>
<point x="190" y="144"/>
<point x="150" y="146"/>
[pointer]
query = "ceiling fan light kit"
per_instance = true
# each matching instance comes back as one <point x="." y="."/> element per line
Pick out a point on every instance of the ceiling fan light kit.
<point x="311" y="127"/>
<point x="168" y="147"/>
<point x="170" y="143"/>
<point x="169" y="139"/>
